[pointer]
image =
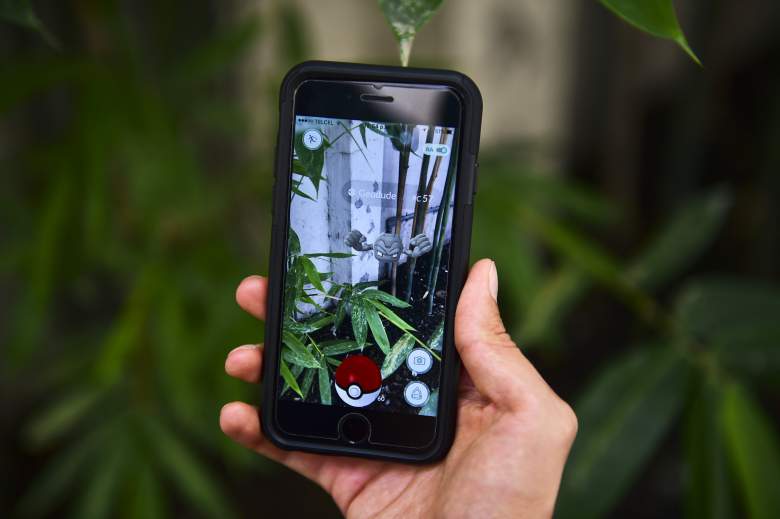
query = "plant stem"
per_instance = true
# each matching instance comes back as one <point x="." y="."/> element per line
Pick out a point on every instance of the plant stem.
<point x="440" y="230"/>
<point x="418" y="224"/>
<point x="403" y="168"/>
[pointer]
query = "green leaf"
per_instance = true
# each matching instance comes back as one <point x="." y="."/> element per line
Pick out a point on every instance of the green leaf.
<point x="310" y="325"/>
<point x="377" y="328"/>
<point x="362" y="129"/>
<point x="61" y="417"/>
<point x="295" y="371"/>
<point x="551" y="304"/>
<point x="685" y="237"/>
<point x="431" y="406"/>
<point x="21" y="13"/>
<point x="102" y="486"/>
<point x="586" y="255"/>
<point x="397" y="355"/>
<point x="338" y="347"/>
<point x="309" y="161"/>
<point x="301" y="193"/>
<point x="59" y="475"/>
<point x="736" y="318"/>
<point x="406" y="17"/>
<point x="324" y="384"/>
<point x="437" y="338"/>
<point x="656" y="17"/>
<point x="295" y="352"/>
<point x="391" y="316"/>
<point x="293" y="243"/>
<point x="295" y="358"/>
<point x="359" y="322"/>
<point x="624" y="414"/>
<point x="754" y="451"/>
<point x="308" y="378"/>
<point x="380" y="295"/>
<point x="311" y="272"/>
<point x="147" y="499"/>
<point x="186" y="471"/>
<point x="708" y="489"/>
<point x="289" y="377"/>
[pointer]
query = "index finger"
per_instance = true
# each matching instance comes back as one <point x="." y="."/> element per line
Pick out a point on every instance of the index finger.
<point x="250" y="295"/>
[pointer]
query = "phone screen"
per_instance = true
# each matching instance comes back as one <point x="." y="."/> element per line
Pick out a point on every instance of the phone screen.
<point x="368" y="254"/>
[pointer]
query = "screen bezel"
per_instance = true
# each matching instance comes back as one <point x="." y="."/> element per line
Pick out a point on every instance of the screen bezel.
<point x="415" y="104"/>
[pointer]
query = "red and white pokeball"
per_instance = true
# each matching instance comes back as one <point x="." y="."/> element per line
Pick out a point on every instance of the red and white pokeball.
<point x="358" y="381"/>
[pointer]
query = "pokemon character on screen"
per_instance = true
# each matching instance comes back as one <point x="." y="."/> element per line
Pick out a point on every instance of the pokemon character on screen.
<point x="388" y="247"/>
<point x="358" y="381"/>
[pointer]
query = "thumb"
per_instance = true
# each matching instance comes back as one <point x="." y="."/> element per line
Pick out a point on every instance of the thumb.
<point x="477" y="311"/>
<point x="497" y="367"/>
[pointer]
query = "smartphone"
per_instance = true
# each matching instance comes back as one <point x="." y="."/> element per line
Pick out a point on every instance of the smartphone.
<point x="375" y="179"/>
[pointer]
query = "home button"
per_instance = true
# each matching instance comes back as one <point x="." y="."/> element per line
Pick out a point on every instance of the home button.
<point x="354" y="428"/>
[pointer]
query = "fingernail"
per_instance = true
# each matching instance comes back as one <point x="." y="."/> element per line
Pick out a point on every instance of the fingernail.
<point x="245" y="347"/>
<point x="493" y="281"/>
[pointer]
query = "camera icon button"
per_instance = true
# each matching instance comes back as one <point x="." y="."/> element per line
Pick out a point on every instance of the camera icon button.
<point x="419" y="361"/>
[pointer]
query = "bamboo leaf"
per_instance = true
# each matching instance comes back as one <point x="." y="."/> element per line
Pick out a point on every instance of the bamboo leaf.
<point x="61" y="417"/>
<point x="311" y="161"/>
<point x="295" y="352"/>
<point x="297" y="359"/>
<point x="397" y="355"/>
<point x="311" y="272"/>
<point x="288" y="377"/>
<point x="21" y="13"/>
<point x="684" y="238"/>
<point x="586" y="255"/>
<point x="431" y="406"/>
<point x="391" y="316"/>
<point x="380" y="295"/>
<point x="656" y="17"/>
<point x="736" y="318"/>
<point x="102" y="487"/>
<point x="624" y="414"/>
<point x="437" y="338"/>
<point x="308" y="326"/>
<point x="186" y="471"/>
<point x="308" y="378"/>
<point x="295" y="371"/>
<point x="754" y="451"/>
<point x="293" y="243"/>
<point x="709" y="489"/>
<point x="359" y="322"/>
<point x="147" y="499"/>
<point x="60" y="474"/>
<point x="324" y="385"/>
<point x="406" y="17"/>
<point x="362" y="129"/>
<point x="377" y="328"/>
<point x="338" y="347"/>
<point x="301" y="193"/>
<point x="551" y="304"/>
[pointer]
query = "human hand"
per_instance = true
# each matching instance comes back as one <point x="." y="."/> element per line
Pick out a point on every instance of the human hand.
<point x="512" y="438"/>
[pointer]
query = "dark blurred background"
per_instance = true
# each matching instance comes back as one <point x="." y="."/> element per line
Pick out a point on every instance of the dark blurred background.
<point x="630" y="198"/>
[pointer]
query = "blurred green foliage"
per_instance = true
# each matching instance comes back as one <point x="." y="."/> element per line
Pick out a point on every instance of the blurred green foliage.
<point x="135" y="206"/>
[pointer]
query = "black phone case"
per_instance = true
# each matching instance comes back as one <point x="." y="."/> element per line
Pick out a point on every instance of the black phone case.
<point x="471" y="101"/>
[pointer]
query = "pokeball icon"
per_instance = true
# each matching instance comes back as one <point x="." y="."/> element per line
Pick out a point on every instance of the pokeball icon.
<point x="358" y="381"/>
